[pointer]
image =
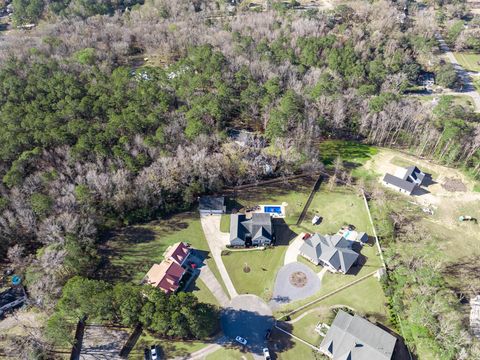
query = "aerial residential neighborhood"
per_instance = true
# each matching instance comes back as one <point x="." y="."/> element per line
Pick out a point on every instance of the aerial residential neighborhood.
<point x="240" y="179"/>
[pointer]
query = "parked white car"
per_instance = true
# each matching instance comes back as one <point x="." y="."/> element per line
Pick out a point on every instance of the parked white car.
<point x="241" y="340"/>
<point x="266" y="354"/>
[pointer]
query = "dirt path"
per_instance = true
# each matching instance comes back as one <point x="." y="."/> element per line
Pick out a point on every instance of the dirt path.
<point x="217" y="242"/>
<point x="469" y="88"/>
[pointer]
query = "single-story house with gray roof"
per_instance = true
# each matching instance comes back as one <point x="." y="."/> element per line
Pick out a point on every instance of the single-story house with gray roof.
<point x="334" y="252"/>
<point x="411" y="178"/>
<point x="258" y="230"/>
<point x="354" y="338"/>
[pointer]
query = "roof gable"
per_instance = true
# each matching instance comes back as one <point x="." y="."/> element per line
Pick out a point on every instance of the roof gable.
<point x="358" y="339"/>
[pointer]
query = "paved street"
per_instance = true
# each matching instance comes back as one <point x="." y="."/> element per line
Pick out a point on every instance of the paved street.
<point x="248" y="316"/>
<point x="217" y="242"/>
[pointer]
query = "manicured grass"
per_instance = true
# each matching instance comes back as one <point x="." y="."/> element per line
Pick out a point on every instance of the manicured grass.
<point x="133" y="250"/>
<point x="225" y="223"/>
<point x="204" y="295"/>
<point x="366" y="298"/>
<point x="229" y="354"/>
<point x="298" y="350"/>
<point x="263" y="266"/>
<point x="213" y="266"/>
<point x="294" y="192"/>
<point x="331" y="282"/>
<point x="469" y="61"/>
<point x="405" y="163"/>
<point x="337" y="208"/>
<point x="353" y="153"/>
<point x="170" y="348"/>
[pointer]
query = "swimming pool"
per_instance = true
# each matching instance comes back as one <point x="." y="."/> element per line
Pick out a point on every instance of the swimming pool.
<point x="273" y="209"/>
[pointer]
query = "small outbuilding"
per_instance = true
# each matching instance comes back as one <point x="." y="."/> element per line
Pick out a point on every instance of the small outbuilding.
<point x="212" y="205"/>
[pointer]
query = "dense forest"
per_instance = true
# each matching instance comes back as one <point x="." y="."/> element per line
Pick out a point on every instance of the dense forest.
<point x="115" y="112"/>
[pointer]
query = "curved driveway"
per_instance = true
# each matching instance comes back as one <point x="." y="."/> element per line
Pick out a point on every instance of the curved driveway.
<point x="293" y="250"/>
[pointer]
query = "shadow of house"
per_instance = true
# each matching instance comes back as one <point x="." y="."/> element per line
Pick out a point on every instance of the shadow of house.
<point x="283" y="233"/>
<point x="400" y="351"/>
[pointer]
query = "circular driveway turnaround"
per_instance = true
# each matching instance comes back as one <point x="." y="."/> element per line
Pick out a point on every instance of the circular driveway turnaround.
<point x="285" y="292"/>
<point x="248" y="316"/>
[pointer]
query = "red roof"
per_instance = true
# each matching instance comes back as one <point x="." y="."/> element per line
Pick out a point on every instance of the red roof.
<point x="177" y="252"/>
<point x="165" y="276"/>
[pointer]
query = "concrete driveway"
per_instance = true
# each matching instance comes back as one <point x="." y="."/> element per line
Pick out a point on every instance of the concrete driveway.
<point x="285" y="292"/>
<point x="216" y="242"/>
<point x="293" y="250"/>
<point x="248" y="316"/>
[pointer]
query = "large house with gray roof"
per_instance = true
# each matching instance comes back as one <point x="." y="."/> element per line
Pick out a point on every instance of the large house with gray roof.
<point x="354" y="338"/>
<point x="406" y="181"/>
<point x="332" y="251"/>
<point x="256" y="231"/>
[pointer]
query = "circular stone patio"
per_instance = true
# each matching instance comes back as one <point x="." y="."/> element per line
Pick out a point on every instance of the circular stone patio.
<point x="295" y="281"/>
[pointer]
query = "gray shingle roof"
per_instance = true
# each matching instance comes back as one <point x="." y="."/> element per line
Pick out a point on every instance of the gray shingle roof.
<point x="334" y="250"/>
<point x="212" y="203"/>
<point x="398" y="182"/>
<point x="259" y="227"/>
<point x="414" y="174"/>
<point x="354" y="338"/>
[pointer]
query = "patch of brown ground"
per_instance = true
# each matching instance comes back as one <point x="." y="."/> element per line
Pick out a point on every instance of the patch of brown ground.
<point x="454" y="185"/>
<point x="298" y="279"/>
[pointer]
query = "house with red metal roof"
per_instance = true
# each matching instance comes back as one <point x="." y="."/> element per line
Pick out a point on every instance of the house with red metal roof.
<point x="178" y="253"/>
<point x="165" y="276"/>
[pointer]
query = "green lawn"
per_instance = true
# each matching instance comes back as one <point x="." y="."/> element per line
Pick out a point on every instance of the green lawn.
<point x="170" y="348"/>
<point x="353" y="153"/>
<point x="332" y="281"/>
<point x="366" y="298"/>
<point x="469" y="61"/>
<point x="134" y="249"/>
<point x="229" y="354"/>
<point x="263" y="266"/>
<point x="338" y="207"/>
<point x="200" y="290"/>
<point x="225" y="223"/>
<point x="294" y="192"/>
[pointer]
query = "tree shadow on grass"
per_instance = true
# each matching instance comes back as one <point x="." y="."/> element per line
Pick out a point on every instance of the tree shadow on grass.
<point x="253" y="327"/>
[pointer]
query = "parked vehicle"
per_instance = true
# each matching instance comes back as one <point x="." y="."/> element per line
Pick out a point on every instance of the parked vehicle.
<point x="266" y="354"/>
<point x="154" y="352"/>
<point x="241" y="340"/>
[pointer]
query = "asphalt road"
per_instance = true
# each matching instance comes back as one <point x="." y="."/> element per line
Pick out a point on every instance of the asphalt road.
<point x="250" y="317"/>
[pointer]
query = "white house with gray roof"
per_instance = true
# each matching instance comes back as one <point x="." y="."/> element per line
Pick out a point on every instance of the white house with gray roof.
<point x="334" y="252"/>
<point x="354" y="338"/>
<point x="257" y="231"/>
<point x="406" y="180"/>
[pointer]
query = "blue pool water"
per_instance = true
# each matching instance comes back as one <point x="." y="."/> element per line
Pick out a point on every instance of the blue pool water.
<point x="345" y="234"/>
<point x="273" y="209"/>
